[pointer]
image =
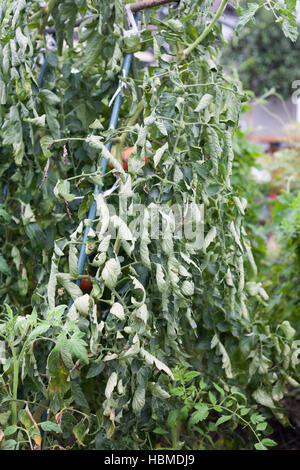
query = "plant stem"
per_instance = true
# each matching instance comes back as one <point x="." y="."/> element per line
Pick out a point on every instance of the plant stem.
<point x="131" y="121"/>
<point x="51" y="29"/>
<point x="136" y="77"/>
<point x="117" y="243"/>
<point x="86" y="175"/>
<point x="15" y="389"/>
<point x="148" y="4"/>
<point x="175" y="435"/>
<point x="206" y="31"/>
<point x="16" y="381"/>
<point x="133" y="7"/>
<point x="37" y="15"/>
<point x="54" y="141"/>
<point x="120" y="299"/>
<point x="50" y="7"/>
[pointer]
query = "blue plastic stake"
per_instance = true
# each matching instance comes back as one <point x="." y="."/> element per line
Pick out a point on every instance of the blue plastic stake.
<point x="103" y="163"/>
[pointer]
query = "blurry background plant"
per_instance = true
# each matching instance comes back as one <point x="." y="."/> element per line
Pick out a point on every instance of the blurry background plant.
<point x="285" y="265"/>
<point x="277" y="207"/>
<point x="248" y="156"/>
<point x="263" y="56"/>
<point x="284" y="164"/>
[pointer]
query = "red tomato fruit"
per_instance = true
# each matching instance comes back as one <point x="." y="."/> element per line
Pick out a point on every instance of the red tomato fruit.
<point x="125" y="155"/>
<point x="86" y="285"/>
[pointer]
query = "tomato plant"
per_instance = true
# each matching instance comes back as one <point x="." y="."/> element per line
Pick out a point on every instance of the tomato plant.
<point x="103" y="380"/>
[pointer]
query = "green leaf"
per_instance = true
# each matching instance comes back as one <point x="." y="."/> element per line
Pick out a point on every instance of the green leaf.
<point x="261" y="426"/>
<point x="50" y="426"/>
<point x="268" y="442"/>
<point x="12" y="132"/>
<point x="246" y="16"/>
<point x="160" y="279"/>
<point x="22" y="40"/>
<point x="159" y="153"/>
<point x="204" y="102"/>
<point x="111" y="384"/>
<point x="10" y="444"/>
<point x="73" y="289"/>
<point x="111" y="272"/>
<point x="211" y="235"/>
<point x="290" y="5"/>
<point x="118" y="311"/>
<point x="82" y="304"/>
<point x="39" y="121"/>
<point x="287" y="329"/>
<point x="244" y="411"/>
<point x="73" y="261"/>
<point x="213" y="148"/>
<point x="96" y="143"/>
<point x="10" y="430"/>
<point x="150" y="359"/>
<point x="260" y="446"/>
<point x="21" y="5"/>
<point x="78" y="347"/>
<point x="226" y="364"/>
<point x="80" y="431"/>
<point x="138" y="400"/>
<point x="4" y="417"/>
<point x="290" y="30"/>
<point x="62" y="191"/>
<point x="3" y="94"/>
<point x="162" y="128"/>
<point x="212" y="397"/>
<point x="132" y="43"/>
<point x="66" y="355"/>
<point x="4" y="268"/>
<point x="48" y="97"/>
<point x="52" y="121"/>
<point x="46" y="142"/>
<point x="93" y="50"/>
<point x="51" y="58"/>
<point x="160" y="431"/>
<point x="95" y="369"/>
<point x="38" y="331"/>
<point x="4" y="215"/>
<point x="103" y="211"/>
<point x="175" y="25"/>
<point x="223" y="419"/>
<point x="191" y="375"/>
<point x="78" y="394"/>
<point x="201" y="413"/>
<point x="188" y="288"/>
<point x="157" y="390"/>
<point x="219" y="389"/>
<point x="263" y="398"/>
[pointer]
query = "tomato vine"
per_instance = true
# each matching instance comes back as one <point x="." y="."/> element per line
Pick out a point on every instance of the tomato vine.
<point x="156" y="301"/>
